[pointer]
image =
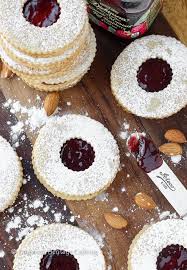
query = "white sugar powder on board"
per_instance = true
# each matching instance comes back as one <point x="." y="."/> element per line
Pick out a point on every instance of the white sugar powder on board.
<point x="25" y="218"/>
<point x="176" y="159"/>
<point x="2" y="254"/>
<point x="124" y="134"/>
<point x="102" y="197"/>
<point x="29" y="119"/>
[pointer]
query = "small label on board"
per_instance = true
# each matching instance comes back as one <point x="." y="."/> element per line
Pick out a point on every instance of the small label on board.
<point x="171" y="187"/>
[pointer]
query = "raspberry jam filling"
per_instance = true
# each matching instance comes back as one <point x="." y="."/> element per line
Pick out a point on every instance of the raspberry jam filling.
<point x="154" y="75"/>
<point x="172" y="257"/>
<point x="42" y="13"/>
<point x="147" y="155"/>
<point x="77" y="155"/>
<point x="57" y="260"/>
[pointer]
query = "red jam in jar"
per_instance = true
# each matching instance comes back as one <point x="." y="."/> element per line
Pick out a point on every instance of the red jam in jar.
<point x="124" y="18"/>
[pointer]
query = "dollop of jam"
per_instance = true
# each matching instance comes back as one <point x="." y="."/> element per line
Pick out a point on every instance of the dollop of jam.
<point x="172" y="257"/>
<point x="146" y="153"/>
<point x="77" y="155"/>
<point x="42" y="13"/>
<point x="58" y="260"/>
<point x="154" y="75"/>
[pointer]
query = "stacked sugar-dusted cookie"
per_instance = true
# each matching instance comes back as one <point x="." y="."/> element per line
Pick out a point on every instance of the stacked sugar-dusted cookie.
<point x="49" y="44"/>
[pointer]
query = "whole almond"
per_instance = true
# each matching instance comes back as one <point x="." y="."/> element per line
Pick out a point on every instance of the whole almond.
<point x="171" y="149"/>
<point x="116" y="221"/>
<point x="144" y="201"/>
<point x="5" y="72"/>
<point x="51" y="102"/>
<point x="175" y="135"/>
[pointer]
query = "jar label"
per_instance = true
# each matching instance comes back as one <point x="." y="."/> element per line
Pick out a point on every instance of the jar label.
<point x="126" y="19"/>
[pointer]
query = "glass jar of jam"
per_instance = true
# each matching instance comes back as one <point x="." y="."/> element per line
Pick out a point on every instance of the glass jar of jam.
<point x="124" y="18"/>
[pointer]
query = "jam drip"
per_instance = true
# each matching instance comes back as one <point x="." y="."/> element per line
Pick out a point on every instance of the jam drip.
<point x="58" y="260"/>
<point x="172" y="257"/>
<point x="145" y="152"/>
<point x="42" y="13"/>
<point x="77" y="155"/>
<point x="154" y="75"/>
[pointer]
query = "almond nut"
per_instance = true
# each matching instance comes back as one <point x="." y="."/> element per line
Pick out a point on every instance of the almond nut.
<point x="51" y="103"/>
<point x="175" y="135"/>
<point x="144" y="201"/>
<point x="116" y="221"/>
<point x="5" y="72"/>
<point x="171" y="149"/>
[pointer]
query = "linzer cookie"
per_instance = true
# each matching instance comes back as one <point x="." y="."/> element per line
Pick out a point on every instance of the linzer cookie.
<point x="42" y="27"/>
<point x="59" y="246"/>
<point x="11" y="175"/>
<point x="53" y="39"/>
<point x="149" y="78"/>
<point x="65" y="79"/>
<point x="161" y="246"/>
<point x="75" y="157"/>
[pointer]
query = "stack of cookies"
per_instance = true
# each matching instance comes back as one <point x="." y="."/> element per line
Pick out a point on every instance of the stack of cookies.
<point x="49" y="44"/>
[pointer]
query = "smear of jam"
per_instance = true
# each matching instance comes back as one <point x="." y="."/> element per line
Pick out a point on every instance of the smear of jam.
<point x="172" y="257"/>
<point x="58" y="260"/>
<point x="145" y="152"/>
<point x="154" y="75"/>
<point x="42" y="13"/>
<point x="77" y="155"/>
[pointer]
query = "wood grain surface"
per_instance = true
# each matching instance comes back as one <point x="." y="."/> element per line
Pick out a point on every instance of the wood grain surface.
<point x="93" y="96"/>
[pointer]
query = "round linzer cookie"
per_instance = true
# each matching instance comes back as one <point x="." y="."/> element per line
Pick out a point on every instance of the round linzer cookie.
<point x="67" y="78"/>
<point x="160" y="246"/>
<point x="49" y="63"/>
<point x="42" y="27"/>
<point x="75" y="157"/>
<point x="149" y="78"/>
<point x="38" y="74"/>
<point x="11" y="175"/>
<point x="59" y="246"/>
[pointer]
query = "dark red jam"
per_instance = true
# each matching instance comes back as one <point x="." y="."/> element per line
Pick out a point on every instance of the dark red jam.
<point x="172" y="257"/>
<point x="154" y="75"/>
<point x="77" y="155"/>
<point x="145" y="152"/>
<point x="42" y="13"/>
<point x="58" y="260"/>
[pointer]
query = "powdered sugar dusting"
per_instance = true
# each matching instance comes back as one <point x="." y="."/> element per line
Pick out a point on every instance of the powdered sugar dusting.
<point x="176" y="159"/>
<point x="143" y="254"/>
<point x="127" y="90"/>
<point x="2" y="254"/>
<point x="11" y="174"/>
<point x="57" y="237"/>
<point x="47" y="159"/>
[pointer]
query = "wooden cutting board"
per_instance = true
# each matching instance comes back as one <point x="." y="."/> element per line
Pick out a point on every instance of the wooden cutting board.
<point x="93" y="95"/>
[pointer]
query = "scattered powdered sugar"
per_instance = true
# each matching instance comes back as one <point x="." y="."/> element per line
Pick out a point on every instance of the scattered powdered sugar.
<point x="166" y="215"/>
<point x="123" y="189"/>
<point x="124" y="134"/>
<point x="25" y="218"/>
<point x="176" y="159"/>
<point x="102" y="197"/>
<point x="2" y="254"/>
<point x="115" y="209"/>
<point x="99" y="237"/>
<point x="29" y="119"/>
<point x="13" y="224"/>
